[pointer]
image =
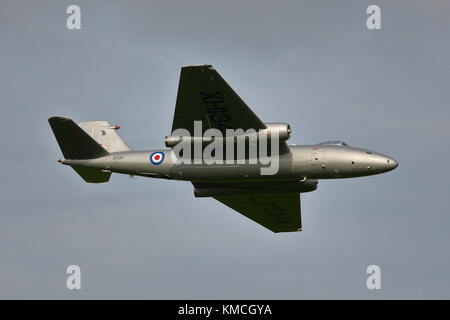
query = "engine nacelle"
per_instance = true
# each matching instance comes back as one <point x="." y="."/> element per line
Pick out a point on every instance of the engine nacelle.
<point x="172" y="141"/>
<point x="283" y="130"/>
<point x="223" y="190"/>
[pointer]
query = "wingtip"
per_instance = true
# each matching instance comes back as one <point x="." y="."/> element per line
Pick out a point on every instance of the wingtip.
<point x="196" y="66"/>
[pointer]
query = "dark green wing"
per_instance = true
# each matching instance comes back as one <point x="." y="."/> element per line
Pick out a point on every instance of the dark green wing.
<point x="203" y="95"/>
<point x="276" y="212"/>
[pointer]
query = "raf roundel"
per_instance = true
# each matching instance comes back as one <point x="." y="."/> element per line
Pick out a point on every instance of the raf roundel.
<point x="156" y="158"/>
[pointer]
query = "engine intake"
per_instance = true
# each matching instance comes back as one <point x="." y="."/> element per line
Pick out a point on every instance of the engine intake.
<point x="283" y="129"/>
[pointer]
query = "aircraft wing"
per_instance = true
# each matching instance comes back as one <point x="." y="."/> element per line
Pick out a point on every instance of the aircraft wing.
<point x="276" y="212"/>
<point x="203" y="95"/>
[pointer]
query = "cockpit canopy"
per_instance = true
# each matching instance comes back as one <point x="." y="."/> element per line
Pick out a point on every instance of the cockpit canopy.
<point x="334" y="143"/>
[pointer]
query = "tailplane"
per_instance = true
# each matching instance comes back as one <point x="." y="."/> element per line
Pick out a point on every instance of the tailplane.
<point x="92" y="175"/>
<point x="74" y="142"/>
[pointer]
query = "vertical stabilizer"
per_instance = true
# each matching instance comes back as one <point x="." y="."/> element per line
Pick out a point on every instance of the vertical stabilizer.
<point x="105" y="134"/>
<point x="74" y="142"/>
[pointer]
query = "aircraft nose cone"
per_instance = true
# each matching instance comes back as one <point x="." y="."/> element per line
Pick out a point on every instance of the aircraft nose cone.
<point x="391" y="164"/>
<point x="395" y="164"/>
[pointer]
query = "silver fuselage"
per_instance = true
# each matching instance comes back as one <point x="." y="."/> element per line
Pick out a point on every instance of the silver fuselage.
<point x="301" y="163"/>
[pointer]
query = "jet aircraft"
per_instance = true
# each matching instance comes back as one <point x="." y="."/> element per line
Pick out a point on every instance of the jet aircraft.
<point x="95" y="150"/>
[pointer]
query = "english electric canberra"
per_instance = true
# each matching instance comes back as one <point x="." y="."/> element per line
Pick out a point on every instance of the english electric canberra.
<point x="229" y="168"/>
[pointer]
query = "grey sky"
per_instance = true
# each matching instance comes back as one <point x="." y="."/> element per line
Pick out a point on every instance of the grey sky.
<point x="312" y="64"/>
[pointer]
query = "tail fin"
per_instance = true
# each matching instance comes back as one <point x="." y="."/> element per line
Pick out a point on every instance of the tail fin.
<point x="74" y="142"/>
<point x="105" y="134"/>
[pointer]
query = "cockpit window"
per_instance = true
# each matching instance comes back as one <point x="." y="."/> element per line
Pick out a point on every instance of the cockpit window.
<point x="334" y="143"/>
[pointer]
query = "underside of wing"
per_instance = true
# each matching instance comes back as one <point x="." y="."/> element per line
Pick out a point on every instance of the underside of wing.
<point x="276" y="212"/>
<point x="203" y="95"/>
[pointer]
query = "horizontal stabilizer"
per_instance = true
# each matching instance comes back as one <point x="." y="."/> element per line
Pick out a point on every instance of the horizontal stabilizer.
<point x="74" y="142"/>
<point x="92" y="175"/>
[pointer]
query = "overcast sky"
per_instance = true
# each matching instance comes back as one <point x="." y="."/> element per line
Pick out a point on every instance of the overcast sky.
<point x="313" y="64"/>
